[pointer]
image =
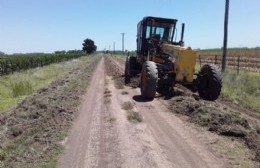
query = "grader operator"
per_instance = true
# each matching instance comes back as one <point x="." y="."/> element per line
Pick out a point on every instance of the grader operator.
<point x="163" y="61"/>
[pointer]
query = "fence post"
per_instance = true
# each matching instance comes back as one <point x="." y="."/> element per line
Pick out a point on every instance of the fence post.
<point x="216" y="59"/>
<point x="200" y="60"/>
<point x="238" y="62"/>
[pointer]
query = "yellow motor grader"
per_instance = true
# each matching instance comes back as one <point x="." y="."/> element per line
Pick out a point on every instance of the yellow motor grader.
<point x="163" y="61"/>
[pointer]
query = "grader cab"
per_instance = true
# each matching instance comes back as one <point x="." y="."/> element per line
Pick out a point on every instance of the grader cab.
<point x="164" y="61"/>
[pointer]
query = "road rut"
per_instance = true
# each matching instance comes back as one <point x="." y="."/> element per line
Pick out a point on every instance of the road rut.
<point x="102" y="135"/>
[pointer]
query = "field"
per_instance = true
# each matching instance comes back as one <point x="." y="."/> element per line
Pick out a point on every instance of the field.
<point x="244" y="58"/>
<point x="12" y="63"/>
<point x="80" y="113"/>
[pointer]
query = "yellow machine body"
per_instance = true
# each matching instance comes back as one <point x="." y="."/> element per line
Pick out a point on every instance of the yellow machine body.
<point x="184" y="60"/>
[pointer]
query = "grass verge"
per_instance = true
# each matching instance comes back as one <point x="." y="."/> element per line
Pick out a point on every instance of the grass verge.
<point x="31" y="133"/>
<point x="243" y="89"/>
<point x="15" y="87"/>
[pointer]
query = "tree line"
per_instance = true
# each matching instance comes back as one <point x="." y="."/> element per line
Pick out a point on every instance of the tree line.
<point x="18" y="62"/>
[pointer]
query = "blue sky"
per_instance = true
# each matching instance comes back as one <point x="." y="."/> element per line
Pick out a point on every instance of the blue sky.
<point x="50" y="25"/>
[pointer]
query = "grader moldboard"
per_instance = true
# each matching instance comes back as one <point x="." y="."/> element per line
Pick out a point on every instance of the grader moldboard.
<point x="162" y="61"/>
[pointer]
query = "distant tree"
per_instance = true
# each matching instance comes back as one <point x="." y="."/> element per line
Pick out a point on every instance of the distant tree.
<point x="89" y="46"/>
<point x="60" y="52"/>
<point x="2" y="53"/>
<point x="74" y="51"/>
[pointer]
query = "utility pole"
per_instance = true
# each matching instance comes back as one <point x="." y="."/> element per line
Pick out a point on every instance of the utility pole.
<point x="123" y="40"/>
<point x="114" y="46"/>
<point x="225" y="37"/>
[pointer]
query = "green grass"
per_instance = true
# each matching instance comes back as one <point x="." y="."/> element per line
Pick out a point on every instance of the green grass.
<point x="134" y="116"/>
<point x="127" y="106"/>
<point x="119" y="55"/>
<point x="21" y="88"/>
<point x="243" y="89"/>
<point x="15" y="87"/>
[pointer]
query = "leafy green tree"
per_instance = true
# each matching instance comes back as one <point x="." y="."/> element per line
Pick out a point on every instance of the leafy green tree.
<point x="89" y="46"/>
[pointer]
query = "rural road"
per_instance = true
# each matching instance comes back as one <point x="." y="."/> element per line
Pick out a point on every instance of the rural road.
<point x="102" y="136"/>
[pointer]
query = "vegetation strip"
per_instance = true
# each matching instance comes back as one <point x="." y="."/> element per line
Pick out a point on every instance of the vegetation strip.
<point x="12" y="63"/>
<point x="31" y="134"/>
<point x="242" y="89"/>
<point x="15" y="87"/>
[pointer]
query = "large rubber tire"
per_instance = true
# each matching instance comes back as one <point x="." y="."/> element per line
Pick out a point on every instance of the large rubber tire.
<point x="209" y="82"/>
<point x="149" y="79"/>
<point x="129" y="68"/>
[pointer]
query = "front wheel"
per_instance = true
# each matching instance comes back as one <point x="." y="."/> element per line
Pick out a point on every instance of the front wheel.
<point x="149" y="79"/>
<point x="209" y="82"/>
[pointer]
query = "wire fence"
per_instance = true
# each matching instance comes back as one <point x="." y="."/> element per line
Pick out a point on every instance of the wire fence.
<point x="237" y="62"/>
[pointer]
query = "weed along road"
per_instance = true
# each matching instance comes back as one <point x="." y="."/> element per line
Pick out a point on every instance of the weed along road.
<point x="117" y="128"/>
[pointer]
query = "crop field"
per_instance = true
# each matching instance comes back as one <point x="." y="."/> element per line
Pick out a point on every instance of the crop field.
<point x="244" y="58"/>
<point x="12" y="63"/>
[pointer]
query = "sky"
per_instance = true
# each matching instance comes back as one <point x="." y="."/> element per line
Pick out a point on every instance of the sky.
<point x="49" y="25"/>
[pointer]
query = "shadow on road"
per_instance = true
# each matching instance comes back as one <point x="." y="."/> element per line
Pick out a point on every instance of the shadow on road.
<point x="139" y="98"/>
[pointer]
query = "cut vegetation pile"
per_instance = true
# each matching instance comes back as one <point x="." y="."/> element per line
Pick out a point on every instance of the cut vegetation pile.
<point x="31" y="134"/>
<point x="219" y="119"/>
<point x="113" y="70"/>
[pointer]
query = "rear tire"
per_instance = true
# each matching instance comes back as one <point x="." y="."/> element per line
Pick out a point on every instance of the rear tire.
<point x="209" y="82"/>
<point x="129" y="68"/>
<point x="149" y="79"/>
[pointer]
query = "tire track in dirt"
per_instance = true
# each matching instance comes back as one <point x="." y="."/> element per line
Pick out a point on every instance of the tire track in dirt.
<point x="86" y="144"/>
<point x="137" y="145"/>
<point x="77" y="143"/>
<point x="181" y="145"/>
<point x="220" y="117"/>
<point x="102" y="136"/>
<point x="171" y="139"/>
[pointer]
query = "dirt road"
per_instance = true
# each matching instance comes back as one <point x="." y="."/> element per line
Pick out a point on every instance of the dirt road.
<point x="102" y="135"/>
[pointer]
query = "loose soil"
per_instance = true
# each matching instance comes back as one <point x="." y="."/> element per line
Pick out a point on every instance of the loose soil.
<point x="217" y="117"/>
<point x="31" y="133"/>
<point x="115" y="127"/>
<point x="105" y="135"/>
